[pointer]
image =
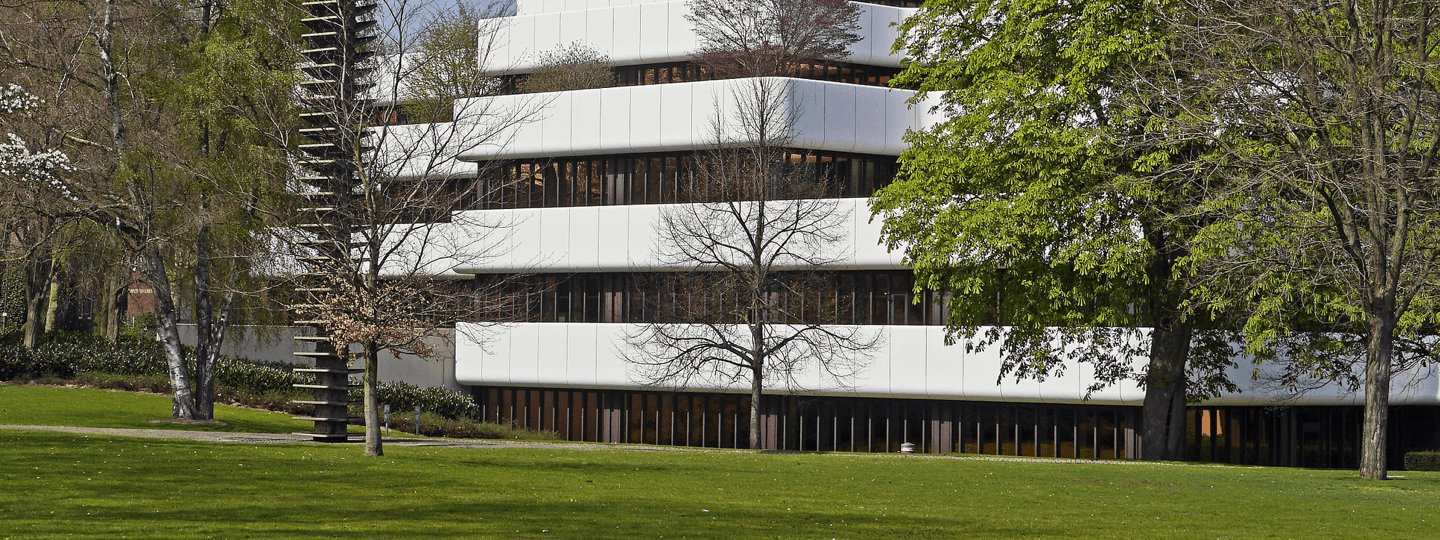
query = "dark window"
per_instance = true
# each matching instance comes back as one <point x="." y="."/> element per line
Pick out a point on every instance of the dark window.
<point x="652" y="179"/>
<point x="851" y="297"/>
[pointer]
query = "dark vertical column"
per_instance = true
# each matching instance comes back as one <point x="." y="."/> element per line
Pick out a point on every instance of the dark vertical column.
<point x="548" y="399"/>
<point x="562" y="409"/>
<point x="1193" y="421"/>
<point x="1129" y="433"/>
<point x="1214" y="422"/>
<point x="1225" y="429"/>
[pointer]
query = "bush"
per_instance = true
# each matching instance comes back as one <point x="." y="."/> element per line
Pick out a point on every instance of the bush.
<point x="258" y="377"/>
<point x="402" y="397"/>
<point x="17" y="362"/>
<point x="139" y="364"/>
<point x="433" y="425"/>
<point x="1422" y="461"/>
<point x="91" y="353"/>
<point x="572" y="67"/>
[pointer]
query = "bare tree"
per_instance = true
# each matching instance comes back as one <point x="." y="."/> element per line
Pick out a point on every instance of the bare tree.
<point x="1326" y="127"/>
<point x="748" y="252"/>
<point x="761" y="38"/>
<point x="381" y="223"/>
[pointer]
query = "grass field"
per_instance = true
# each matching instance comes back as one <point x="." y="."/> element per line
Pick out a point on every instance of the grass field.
<point x="58" y="485"/>
<point x="61" y="485"/>
<point x="90" y="407"/>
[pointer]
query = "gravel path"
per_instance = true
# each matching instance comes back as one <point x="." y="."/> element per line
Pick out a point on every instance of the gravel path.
<point x="281" y="438"/>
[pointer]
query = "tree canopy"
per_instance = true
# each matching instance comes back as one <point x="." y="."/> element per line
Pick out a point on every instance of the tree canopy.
<point x="1052" y="236"/>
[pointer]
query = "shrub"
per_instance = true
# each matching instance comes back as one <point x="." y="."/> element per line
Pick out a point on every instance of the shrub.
<point x="17" y="362"/>
<point x="572" y="67"/>
<point x="1422" y="461"/>
<point x="139" y="364"/>
<point x="403" y="397"/>
<point x="258" y="377"/>
<point x="128" y="355"/>
<point x="433" y="425"/>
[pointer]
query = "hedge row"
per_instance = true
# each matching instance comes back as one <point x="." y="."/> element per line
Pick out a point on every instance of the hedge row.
<point x="1422" y="461"/>
<point x="68" y="355"/>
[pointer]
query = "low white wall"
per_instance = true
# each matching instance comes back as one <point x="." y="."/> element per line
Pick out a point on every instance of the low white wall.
<point x="276" y="344"/>
<point x="913" y="363"/>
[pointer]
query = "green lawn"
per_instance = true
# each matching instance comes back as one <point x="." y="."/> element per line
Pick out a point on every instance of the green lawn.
<point x="60" y="485"/>
<point x="89" y="407"/>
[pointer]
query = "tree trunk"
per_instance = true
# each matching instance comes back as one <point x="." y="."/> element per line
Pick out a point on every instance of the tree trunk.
<point x="373" y="444"/>
<point x="168" y="332"/>
<point x="1163" y="429"/>
<point x="210" y="326"/>
<point x="1377" y="399"/>
<point x="755" y="387"/>
<point x="37" y="281"/>
<point x="52" y="300"/>
<point x="117" y="302"/>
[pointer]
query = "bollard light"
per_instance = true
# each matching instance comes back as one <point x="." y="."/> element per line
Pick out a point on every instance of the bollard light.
<point x="417" y="420"/>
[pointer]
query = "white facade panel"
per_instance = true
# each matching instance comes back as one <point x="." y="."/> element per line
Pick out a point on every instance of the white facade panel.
<point x="840" y="117"/>
<point x="585" y="240"/>
<point x="421" y="150"/>
<point x="557" y="131"/>
<point x="547" y="38"/>
<point x="677" y="120"/>
<point x="908" y="355"/>
<point x="615" y="224"/>
<point x="615" y="119"/>
<point x="915" y="363"/>
<point x="583" y="344"/>
<point x="626" y="33"/>
<point x="654" y="33"/>
<point x="585" y="122"/>
<point x="600" y="28"/>
<point x="659" y="29"/>
<point x="678" y="117"/>
<point x="572" y="23"/>
<point x="946" y="370"/>
<point x="553" y="350"/>
<point x="645" y="119"/>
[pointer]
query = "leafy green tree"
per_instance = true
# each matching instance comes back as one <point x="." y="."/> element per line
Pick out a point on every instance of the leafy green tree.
<point x="162" y="107"/>
<point x="1055" y="240"/>
<point x="1323" y="131"/>
<point x="230" y="92"/>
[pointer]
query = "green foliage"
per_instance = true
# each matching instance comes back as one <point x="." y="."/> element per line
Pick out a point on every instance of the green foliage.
<point x="434" y="425"/>
<point x="12" y="297"/>
<point x="1025" y="203"/>
<point x="1422" y="461"/>
<point x="402" y="397"/>
<point x="571" y="67"/>
<point x="139" y="364"/>
<point x="448" y="64"/>
<point x="17" y="362"/>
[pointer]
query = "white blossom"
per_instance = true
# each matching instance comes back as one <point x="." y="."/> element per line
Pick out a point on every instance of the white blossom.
<point x="20" y="164"/>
